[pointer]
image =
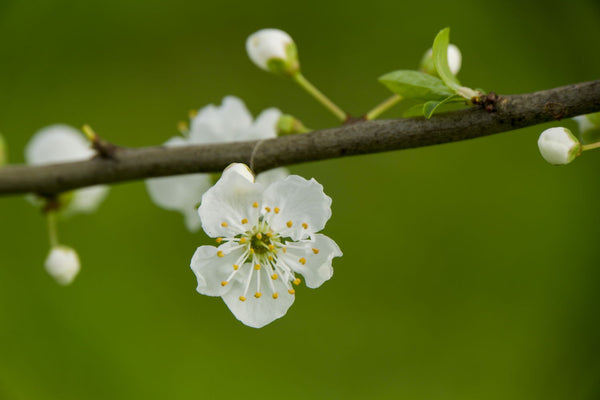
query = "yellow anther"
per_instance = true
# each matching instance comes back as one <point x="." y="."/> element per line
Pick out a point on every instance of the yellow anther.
<point x="219" y="239"/>
<point x="271" y="247"/>
<point x="224" y="224"/>
<point x="257" y="267"/>
<point x="291" y="291"/>
<point x="316" y="251"/>
<point x="252" y="251"/>
<point x="297" y="281"/>
<point x="255" y="205"/>
<point x="257" y="294"/>
<point x="302" y="261"/>
<point x="259" y="235"/>
<point x="220" y="253"/>
<point x="193" y="113"/>
<point x="224" y="283"/>
<point x="242" y="298"/>
<point x="268" y="209"/>
<point x="269" y="234"/>
<point x="276" y="210"/>
<point x="275" y="295"/>
<point x="274" y="276"/>
<point x="270" y="258"/>
<point x="236" y="267"/>
<point x="244" y="221"/>
<point x="243" y="240"/>
<point x="285" y="249"/>
<point x="305" y="225"/>
<point x="289" y="224"/>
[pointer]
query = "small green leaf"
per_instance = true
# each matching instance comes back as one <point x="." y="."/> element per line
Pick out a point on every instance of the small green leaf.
<point x="440" y="59"/>
<point x="431" y="106"/>
<point x="415" y="85"/>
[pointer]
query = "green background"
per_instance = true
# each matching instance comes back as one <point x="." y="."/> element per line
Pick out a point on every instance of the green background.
<point x="470" y="270"/>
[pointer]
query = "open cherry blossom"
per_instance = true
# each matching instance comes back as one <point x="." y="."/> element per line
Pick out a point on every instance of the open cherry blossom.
<point x="231" y="122"/>
<point x="267" y="235"/>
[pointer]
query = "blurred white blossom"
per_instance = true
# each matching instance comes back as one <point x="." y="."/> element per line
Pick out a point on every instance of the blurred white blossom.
<point x="266" y="235"/>
<point x="231" y="122"/>
<point x="62" y="143"/>
<point x="62" y="264"/>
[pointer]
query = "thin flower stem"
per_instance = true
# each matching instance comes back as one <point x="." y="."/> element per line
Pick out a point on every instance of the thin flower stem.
<point x="51" y="225"/>
<point x="320" y="97"/>
<point x="383" y="107"/>
<point x="590" y="146"/>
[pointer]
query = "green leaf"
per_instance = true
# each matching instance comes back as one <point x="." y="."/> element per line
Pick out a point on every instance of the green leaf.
<point x="431" y="106"/>
<point x="415" y="85"/>
<point x="440" y="59"/>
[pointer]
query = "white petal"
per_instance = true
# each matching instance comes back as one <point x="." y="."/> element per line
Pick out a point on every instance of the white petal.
<point x="180" y="193"/>
<point x="211" y="270"/>
<point x="265" y="126"/>
<point x="230" y="122"/>
<point x="57" y="144"/>
<point x="267" y="44"/>
<point x="227" y="203"/>
<point x="62" y="264"/>
<point x="241" y="169"/>
<point x="258" y="312"/>
<point x="87" y="200"/>
<point x="302" y="204"/>
<point x="559" y="146"/>
<point x="272" y="175"/>
<point x="317" y="267"/>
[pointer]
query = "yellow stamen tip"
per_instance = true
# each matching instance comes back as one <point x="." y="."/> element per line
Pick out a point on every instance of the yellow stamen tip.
<point x="257" y="267"/>
<point x="242" y="298"/>
<point x="305" y="225"/>
<point x="277" y="210"/>
<point x="255" y="205"/>
<point x="291" y="291"/>
<point x="269" y="234"/>
<point x="297" y="281"/>
<point x="252" y="251"/>
<point x="271" y="247"/>
<point x="220" y="253"/>
<point x="259" y="235"/>
<point x="224" y="283"/>
<point x="270" y="258"/>
<point x="274" y="276"/>
<point x="193" y="113"/>
<point x="244" y="221"/>
<point x="302" y="261"/>
<point x="316" y="251"/>
<point x="257" y="294"/>
<point x="285" y="250"/>
<point x="275" y="295"/>
<point x="219" y="239"/>
<point x="243" y="240"/>
<point x="268" y="209"/>
<point x="289" y="224"/>
<point x="224" y="225"/>
<point x="236" y="267"/>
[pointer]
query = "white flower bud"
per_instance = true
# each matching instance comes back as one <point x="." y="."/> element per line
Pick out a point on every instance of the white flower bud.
<point x="273" y="50"/>
<point x="62" y="264"/>
<point x="454" y="60"/>
<point x="559" y="146"/>
<point x="241" y="169"/>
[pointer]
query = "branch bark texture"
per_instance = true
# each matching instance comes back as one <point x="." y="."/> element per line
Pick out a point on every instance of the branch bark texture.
<point x="126" y="164"/>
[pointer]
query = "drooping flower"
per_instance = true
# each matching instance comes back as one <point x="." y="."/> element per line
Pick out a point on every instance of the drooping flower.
<point x="62" y="264"/>
<point x="62" y="143"/>
<point x="267" y="235"/>
<point x="231" y="122"/>
<point x="559" y="146"/>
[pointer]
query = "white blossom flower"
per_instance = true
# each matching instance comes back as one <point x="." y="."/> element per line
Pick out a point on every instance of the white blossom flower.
<point x="62" y="143"/>
<point x="273" y="50"/>
<point x="266" y="235"/>
<point x="454" y="60"/>
<point x="62" y="264"/>
<point x="231" y="122"/>
<point x="559" y="146"/>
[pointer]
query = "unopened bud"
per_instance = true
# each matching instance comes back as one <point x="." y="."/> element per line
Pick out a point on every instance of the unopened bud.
<point x="62" y="264"/>
<point x="454" y="61"/>
<point x="289" y="125"/>
<point x="273" y="50"/>
<point x="559" y="146"/>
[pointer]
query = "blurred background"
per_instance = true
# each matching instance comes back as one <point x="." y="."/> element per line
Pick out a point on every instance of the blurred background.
<point x="470" y="270"/>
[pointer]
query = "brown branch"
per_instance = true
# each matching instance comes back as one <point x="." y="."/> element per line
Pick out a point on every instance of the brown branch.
<point x="510" y="112"/>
